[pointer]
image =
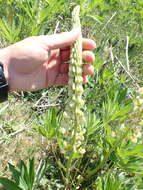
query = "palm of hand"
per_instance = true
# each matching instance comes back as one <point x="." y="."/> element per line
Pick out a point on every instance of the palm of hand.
<point x="57" y="71"/>
<point x="33" y="74"/>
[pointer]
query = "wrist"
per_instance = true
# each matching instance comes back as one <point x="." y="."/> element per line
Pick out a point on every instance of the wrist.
<point x="4" y="59"/>
<point x="4" y="62"/>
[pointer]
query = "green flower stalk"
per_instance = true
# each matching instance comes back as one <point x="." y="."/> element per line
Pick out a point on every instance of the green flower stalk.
<point x="137" y="117"/>
<point x="73" y="116"/>
<point x="40" y="6"/>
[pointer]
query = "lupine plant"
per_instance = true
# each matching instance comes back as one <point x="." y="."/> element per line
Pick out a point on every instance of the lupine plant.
<point x="25" y="177"/>
<point x="73" y="117"/>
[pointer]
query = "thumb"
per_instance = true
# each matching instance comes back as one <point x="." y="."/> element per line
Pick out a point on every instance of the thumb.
<point x="61" y="40"/>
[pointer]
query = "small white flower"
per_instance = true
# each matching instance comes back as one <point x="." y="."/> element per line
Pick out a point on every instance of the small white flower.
<point x="134" y="139"/>
<point x="82" y="151"/>
<point x="113" y="134"/>
<point x="78" y="80"/>
<point x="78" y="143"/>
<point x="138" y="134"/>
<point x="63" y="131"/>
<point x="140" y="90"/>
<point x="141" y="123"/>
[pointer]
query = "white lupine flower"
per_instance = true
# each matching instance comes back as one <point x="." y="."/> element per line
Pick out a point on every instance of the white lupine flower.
<point x="78" y="113"/>
<point x="141" y="123"/>
<point x="78" y="143"/>
<point x="78" y="80"/>
<point x="140" y="101"/>
<point x="80" y="137"/>
<point x="63" y="130"/>
<point x="66" y="115"/>
<point x="79" y="71"/>
<point x="134" y="139"/>
<point x="79" y="101"/>
<point x="84" y="130"/>
<point x="138" y="134"/>
<point x="79" y="90"/>
<point x="82" y="151"/>
<point x="73" y="116"/>
<point x="73" y="87"/>
<point x="140" y="91"/>
<point x="137" y="117"/>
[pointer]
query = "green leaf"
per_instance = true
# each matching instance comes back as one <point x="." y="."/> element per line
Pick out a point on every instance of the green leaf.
<point x="8" y="184"/>
<point x="49" y="127"/>
<point x="31" y="171"/>
<point x="23" y="184"/>
<point x="61" y="165"/>
<point x="15" y="173"/>
<point x="136" y="150"/>
<point x="41" y="172"/>
<point x="24" y="180"/>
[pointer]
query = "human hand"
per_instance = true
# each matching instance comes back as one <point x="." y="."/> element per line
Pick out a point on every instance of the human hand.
<point x="41" y="61"/>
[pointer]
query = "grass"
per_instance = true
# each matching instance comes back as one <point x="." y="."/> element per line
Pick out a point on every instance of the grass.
<point x="30" y="122"/>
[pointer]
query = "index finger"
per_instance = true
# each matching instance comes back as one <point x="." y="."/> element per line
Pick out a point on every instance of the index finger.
<point x="62" y="40"/>
<point x="87" y="44"/>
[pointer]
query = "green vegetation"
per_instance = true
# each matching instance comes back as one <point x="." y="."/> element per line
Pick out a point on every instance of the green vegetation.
<point x="31" y="124"/>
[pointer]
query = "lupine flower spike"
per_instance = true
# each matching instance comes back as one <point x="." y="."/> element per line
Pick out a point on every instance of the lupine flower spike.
<point x="73" y="116"/>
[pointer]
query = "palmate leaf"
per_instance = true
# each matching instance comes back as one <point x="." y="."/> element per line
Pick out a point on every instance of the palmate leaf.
<point x="24" y="172"/>
<point x="8" y="184"/>
<point x="31" y="171"/>
<point x="132" y="164"/>
<point x="131" y="157"/>
<point x="24" y="177"/>
<point x="27" y="174"/>
<point x="23" y="183"/>
<point x="15" y="173"/>
<point x="41" y="172"/>
<point x="132" y="150"/>
<point x="50" y="125"/>
<point x="109" y="183"/>
<point x="93" y="125"/>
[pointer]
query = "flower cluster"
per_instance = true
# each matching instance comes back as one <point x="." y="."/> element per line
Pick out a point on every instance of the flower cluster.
<point x="73" y="117"/>
<point x="40" y="6"/>
<point x="137" y="116"/>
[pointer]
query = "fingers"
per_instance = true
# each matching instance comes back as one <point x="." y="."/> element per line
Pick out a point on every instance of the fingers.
<point x="62" y="80"/>
<point x="88" y="69"/>
<point x="61" y="40"/>
<point x="65" y="40"/>
<point x="88" y="56"/>
<point x="87" y="45"/>
<point x="85" y="79"/>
